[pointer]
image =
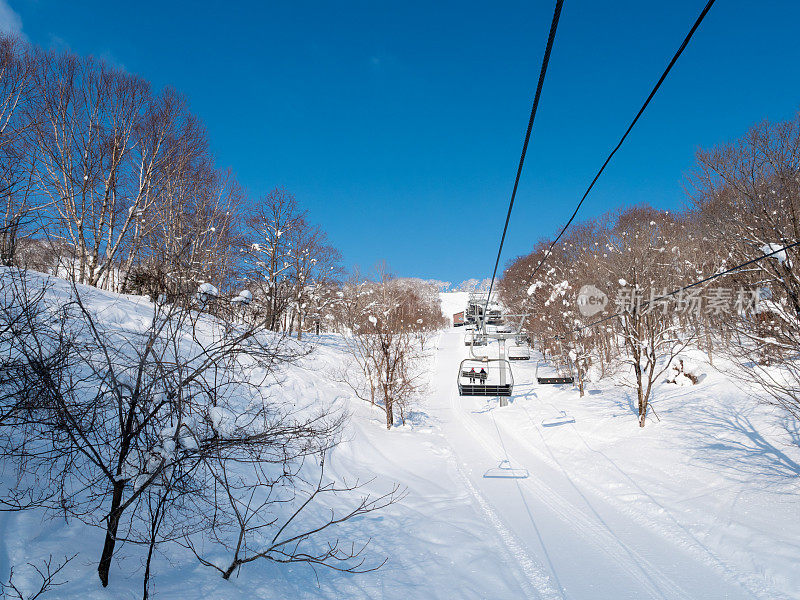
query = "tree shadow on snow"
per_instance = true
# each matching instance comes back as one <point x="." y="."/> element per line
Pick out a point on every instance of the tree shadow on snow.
<point x="623" y="401"/>
<point x="415" y="418"/>
<point x="728" y="439"/>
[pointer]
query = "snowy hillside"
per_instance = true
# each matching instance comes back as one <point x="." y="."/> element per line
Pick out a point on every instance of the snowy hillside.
<point x="701" y="504"/>
<point x="452" y="303"/>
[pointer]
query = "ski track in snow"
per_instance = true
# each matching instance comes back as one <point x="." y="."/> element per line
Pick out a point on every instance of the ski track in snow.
<point x="602" y="540"/>
<point x="685" y="540"/>
<point x="536" y="582"/>
<point x="590" y="525"/>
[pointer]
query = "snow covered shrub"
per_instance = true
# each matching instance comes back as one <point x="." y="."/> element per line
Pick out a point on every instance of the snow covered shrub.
<point x="683" y="373"/>
<point x="164" y="428"/>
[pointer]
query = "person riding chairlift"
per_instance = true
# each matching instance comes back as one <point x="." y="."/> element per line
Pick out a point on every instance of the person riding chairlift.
<point x="472" y="375"/>
<point x="482" y="376"/>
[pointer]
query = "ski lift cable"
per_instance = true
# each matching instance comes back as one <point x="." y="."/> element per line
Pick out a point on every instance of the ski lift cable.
<point x="680" y="289"/>
<point x="543" y="71"/>
<point x="672" y="62"/>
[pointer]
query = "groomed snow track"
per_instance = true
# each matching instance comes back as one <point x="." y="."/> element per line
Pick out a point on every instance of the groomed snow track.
<point x="566" y="540"/>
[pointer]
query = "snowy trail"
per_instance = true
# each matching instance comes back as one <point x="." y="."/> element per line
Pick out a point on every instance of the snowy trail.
<point x="568" y="542"/>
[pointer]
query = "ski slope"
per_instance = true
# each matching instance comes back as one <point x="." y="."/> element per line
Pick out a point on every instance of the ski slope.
<point x="566" y="536"/>
<point x="452" y="303"/>
<point x="702" y="504"/>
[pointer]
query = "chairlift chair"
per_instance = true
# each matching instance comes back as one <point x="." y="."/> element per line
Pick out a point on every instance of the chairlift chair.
<point x="471" y="382"/>
<point x="519" y="352"/>
<point x="478" y="339"/>
<point x="494" y="317"/>
<point x="474" y="337"/>
<point x="562" y="377"/>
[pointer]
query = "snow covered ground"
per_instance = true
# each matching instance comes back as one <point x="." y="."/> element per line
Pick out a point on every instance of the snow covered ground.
<point x="452" y="303"/>
<point x="702" y="504"/>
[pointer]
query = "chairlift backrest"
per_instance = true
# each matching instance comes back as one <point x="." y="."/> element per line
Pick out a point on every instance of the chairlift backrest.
<point x="486" y="379"/>
<point x="562" y="375"/>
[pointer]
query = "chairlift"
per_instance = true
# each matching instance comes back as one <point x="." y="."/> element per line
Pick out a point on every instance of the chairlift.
<point x="479" y="352"/>
<point x="485" y="377"/>
<point x="563" y="373"/>
<point x="474" y="338"/>
<point x="523" y="338"/>
<point x="519" y="352"/>
<point x="505" y="471"/>
<point x="502" y="328"/>
<point x="494" y="317"/>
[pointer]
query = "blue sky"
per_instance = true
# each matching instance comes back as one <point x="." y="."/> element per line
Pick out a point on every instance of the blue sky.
<point x="399" y="124"/>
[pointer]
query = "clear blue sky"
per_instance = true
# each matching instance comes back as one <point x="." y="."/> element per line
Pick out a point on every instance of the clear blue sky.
<point x="399" y="124"/>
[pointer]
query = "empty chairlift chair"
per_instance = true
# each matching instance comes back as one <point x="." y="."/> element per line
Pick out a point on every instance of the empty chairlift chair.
<point x="468" y="337"/>
<point x="490" y="377"/>
<point x="519" y="352"/>
<point x="474" y="338"/>
<point x="478" y="339"/>
<point x="547" y="373"/>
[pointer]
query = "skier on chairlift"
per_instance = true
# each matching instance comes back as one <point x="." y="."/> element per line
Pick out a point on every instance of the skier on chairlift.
<point x="482" y="375"/>
<point x="472" y="375"/>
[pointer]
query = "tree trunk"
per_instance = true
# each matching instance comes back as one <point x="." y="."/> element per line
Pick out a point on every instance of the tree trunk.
<point x="389" y="412"/>
<point x="709" y="344"/>
<point x="111" y="533"/>
<point x="229" y="571"/>
<point x="642" y="401"/>
<point x="640" y="392"/>
<point x="146" y="581"/>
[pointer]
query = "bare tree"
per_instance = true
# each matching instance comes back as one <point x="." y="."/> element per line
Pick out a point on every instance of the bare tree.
<point x="100" y="138"/>
<point x="140" y="431"/>
<point x="314" y="263"/>
<point x="747" y="197"/>
<point x="246" y="510"/>
<point x="269" y="250"/>
<point x="18" y="212"/>
<point x="47" y="574"/>
<point x="381" y="326"/>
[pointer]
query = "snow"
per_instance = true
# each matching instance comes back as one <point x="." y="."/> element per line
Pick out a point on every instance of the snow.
<point x="453" y="303"/>
<point x="534" y="286"/>
<point x="701" y="504"/>
<point x="207" y="289"/>
<point x="780" y="254"/>
<point x="244" y="297"/>
<point x="215" y="414"/>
